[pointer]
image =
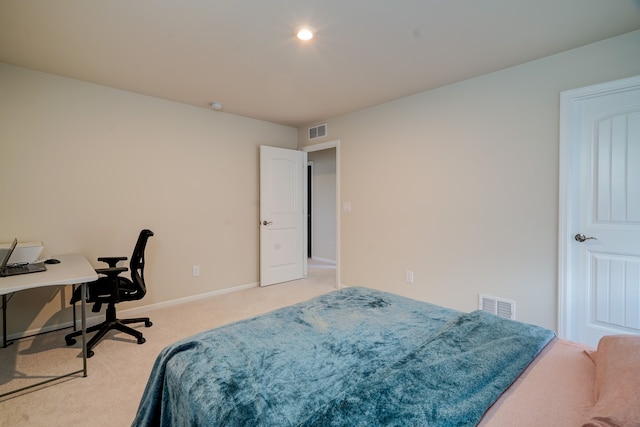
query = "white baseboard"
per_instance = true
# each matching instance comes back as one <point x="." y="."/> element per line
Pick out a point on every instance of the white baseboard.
<point x="328" y="261"/>
<point x="131" y="312"/>
<point x="145" y="308"/>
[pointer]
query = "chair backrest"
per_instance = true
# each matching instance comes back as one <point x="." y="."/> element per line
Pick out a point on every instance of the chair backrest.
<point x="136" y="266"/>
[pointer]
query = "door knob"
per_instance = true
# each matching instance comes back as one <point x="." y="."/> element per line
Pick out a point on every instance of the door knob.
<point x="581" y="237"/>
<point x="265" y="222"/>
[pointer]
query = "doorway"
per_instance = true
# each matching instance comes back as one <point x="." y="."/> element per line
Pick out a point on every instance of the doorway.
<point x="309" y="209"/>
<point x="324" y="215"/>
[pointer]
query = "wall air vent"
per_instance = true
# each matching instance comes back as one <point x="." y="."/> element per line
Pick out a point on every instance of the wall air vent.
<point x="318" y="131"/>
<point x="499" y="306"/>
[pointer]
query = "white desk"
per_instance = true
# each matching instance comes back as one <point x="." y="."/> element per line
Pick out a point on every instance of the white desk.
<point x="73" y="270"/>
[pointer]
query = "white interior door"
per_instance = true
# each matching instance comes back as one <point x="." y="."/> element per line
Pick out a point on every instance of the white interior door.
<point x="600" y="240"/>
<point x="283" y="215"/>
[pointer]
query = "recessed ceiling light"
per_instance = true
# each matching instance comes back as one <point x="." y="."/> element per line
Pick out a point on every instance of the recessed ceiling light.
<point x="304" y="33"/>
<point x="216" y="105"/>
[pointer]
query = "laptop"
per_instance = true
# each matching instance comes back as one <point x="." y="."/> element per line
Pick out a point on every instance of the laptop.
<point x="12" y="270"/>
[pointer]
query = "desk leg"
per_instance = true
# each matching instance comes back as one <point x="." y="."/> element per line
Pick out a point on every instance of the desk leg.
<point x="4" y="320"/>
<point x="75" y="320"/>
<point x="83" y="293"/>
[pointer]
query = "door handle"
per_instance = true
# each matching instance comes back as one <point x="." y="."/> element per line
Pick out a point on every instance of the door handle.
<point x="581" y="237"/>
<point x="265" y="222"/>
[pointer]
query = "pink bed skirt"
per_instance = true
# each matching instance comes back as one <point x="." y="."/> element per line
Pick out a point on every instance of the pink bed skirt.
<point x="555" y="390"/>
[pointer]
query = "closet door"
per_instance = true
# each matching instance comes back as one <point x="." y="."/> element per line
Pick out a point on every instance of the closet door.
<point x="601" y="236"/>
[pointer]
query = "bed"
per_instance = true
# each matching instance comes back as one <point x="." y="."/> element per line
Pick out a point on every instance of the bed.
<point x="362" y="357"/>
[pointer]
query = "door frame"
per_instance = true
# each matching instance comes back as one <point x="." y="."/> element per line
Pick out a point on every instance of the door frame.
<point x="310" y="191"/>
<point x="324" y="146"/>
<point x="568" y="197"/>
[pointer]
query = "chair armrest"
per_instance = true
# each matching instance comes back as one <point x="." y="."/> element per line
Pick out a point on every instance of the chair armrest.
<point x="112" y="260"/>
<point x="111" y="272"/>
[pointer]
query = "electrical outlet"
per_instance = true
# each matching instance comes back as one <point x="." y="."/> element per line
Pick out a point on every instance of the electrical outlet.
<point x="195" y="271"/>
<point x="408" y="276"/>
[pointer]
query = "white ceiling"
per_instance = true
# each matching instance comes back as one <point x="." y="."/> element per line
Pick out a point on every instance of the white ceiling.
<point x="243" y="53"/>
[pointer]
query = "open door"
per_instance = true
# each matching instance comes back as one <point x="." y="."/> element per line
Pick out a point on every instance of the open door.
<point x="283" y="211"/>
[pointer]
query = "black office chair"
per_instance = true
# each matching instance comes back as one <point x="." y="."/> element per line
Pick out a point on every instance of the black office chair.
<point x="112" y="289"/>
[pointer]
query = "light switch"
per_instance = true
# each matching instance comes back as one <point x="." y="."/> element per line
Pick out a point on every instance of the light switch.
<point x="408" y="276"/>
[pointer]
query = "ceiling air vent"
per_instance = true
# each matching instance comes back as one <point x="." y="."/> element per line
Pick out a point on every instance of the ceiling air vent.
<point x="318" y="131"/>
<point x="499" y="306"/>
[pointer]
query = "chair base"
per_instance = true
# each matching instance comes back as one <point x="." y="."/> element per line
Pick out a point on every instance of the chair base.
<point x="109" y="324"/>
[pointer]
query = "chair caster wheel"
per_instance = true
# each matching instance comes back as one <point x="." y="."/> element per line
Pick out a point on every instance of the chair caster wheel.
<point x="90" y="353"/>
<point x="70" y="341"/>
<point x="148" y="324"/>
<point x="141" y="340"/>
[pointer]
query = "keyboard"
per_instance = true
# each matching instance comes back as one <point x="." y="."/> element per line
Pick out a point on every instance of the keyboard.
<point x="13" y="270"/>
<point x="16" y="269"/>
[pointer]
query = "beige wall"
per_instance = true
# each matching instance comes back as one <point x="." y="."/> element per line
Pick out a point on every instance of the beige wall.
<point x="457" y="184"/>
<point x="460" y="184"/>
<point x="105" y="163"/>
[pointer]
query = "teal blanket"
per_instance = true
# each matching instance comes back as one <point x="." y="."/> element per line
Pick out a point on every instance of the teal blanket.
<point x="354" y="357"/>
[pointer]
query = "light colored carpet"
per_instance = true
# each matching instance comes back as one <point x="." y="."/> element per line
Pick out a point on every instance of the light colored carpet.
<point x="118" y="372"/>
